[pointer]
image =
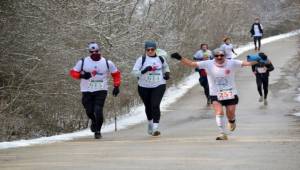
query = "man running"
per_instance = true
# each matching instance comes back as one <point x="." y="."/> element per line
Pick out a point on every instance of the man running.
<point x="93" y="73"/>
<point x="227" y="47"/>
<point x="203" y="54"/>
<point x="257" y="33"/>
<point x="152" y="72"/>
<point x="222" y="89"/>
<point x="261" y="71"/>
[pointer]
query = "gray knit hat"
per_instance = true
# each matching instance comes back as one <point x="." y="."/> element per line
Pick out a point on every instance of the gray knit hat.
<point x="150" y="44"/>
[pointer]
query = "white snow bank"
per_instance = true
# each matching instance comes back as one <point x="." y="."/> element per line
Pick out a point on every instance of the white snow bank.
<point x="296" y="114"/>
<point x="137" y="115"/>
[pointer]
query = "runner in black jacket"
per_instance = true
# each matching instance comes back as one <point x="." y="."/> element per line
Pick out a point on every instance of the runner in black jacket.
<point x="261" y="71"/>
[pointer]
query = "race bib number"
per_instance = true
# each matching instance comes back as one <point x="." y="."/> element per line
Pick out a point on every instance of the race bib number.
<point x="153" y="77"/>
<point x="225" y="94"/>
<point x="261" y="69"/>
<point x="96" y="85"/>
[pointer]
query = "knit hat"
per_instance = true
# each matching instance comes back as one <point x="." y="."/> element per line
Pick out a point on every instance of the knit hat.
<point x="93" y="46"/>
<point x="263" y="56"/>
<point x="150" y="44"/>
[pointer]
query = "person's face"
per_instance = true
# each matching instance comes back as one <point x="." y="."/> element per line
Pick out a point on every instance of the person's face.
<point x="204" y="47"/>
<point x="151" y="51"/>
<point x="219" y="58"/>
<point x="257" y="21"/>
<point x="227" y="41"/>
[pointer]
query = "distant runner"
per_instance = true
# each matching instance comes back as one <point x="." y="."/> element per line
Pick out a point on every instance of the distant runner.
<point x="261" y="71"/>
<point x="222" y="89"/>
<point x="152" y="72"/>
<point x="257" y="33"/>
<point x="203" y="54"/>
<point x="93" y="73"/>
<point x="227" y="47"/>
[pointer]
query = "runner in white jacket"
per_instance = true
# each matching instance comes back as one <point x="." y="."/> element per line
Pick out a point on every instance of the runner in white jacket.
<point x="152" y="72"/>
<point x="222" y="88"/>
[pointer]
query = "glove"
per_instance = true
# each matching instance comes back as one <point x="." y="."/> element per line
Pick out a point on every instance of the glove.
<point x="197" y="69"/>
<point x="177" y="56"/>
<point x="148" y="68"/>
<point x="85" y="75"/>
<point x="167" y="75"/>
<point x="115" y="91"/>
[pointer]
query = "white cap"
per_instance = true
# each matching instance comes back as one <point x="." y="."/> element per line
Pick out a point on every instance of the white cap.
<point x="93" y="46"/>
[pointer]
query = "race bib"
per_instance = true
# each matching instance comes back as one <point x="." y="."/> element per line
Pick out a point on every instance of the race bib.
<point x="225" y="94"/>
<point x="95" y="85"/>
<point x="153" y="77"/>
<point x="261" y="69"/>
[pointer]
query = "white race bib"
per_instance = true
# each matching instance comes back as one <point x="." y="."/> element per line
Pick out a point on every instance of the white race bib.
<point x="153" y="77"/>
<point x="225" y="94"/>
<point x="261" y="69"/>
<point x="95" y="85"/>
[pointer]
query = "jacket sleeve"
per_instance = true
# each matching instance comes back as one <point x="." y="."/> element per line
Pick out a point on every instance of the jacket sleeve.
<point x="116" y="78"/>
<point x="253" y="68"/>
<point x="136" y="71"/>
<point x="270" y="67"/>
<point x="165" y="66"/>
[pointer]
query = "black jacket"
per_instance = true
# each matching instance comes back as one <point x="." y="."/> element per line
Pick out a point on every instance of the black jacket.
<point x="268" y="65"/>
<point x="252" y="29"/>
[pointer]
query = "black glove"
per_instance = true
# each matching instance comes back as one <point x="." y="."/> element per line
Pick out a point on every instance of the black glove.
<point x="116" y="91"/>
<point x="167" y="75"/>
<point x="148" y="68"/>
<point x="177" y="56"/>
<point x="85" y="75"/>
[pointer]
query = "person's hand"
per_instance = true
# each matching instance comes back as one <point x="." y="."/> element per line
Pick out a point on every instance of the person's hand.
<point x="177" y="56"/>
<point x="167" y="76"/>
<point x="197" y="69"/>
<point x="254" y="72"/>
<point x="148" y="68"/>
<point x="116" y="91"/>
<point x="85" y="75"/>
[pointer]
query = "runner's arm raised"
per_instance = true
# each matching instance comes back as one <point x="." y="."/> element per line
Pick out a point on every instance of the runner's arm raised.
<point x="249" y="63"/>
<point x="184" y="60"/>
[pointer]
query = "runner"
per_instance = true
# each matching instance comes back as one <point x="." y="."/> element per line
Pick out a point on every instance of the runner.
<point x="222" y="90"/>
<point x="93" y="73"/>
<point x="261" y="71"/>
<point x="152" y="72"/>
<point x="257" y="33"/>
<point x="227" y="47"/>
<point x="201" y="55"/>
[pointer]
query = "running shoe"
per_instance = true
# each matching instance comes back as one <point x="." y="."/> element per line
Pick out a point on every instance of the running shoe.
<point x="231" y="126"/>
<point x="98" y="135"/>
<point x="222" y="136"/>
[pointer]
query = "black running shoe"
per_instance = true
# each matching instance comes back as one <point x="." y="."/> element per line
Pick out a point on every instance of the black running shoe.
<point x="98" y="135"/>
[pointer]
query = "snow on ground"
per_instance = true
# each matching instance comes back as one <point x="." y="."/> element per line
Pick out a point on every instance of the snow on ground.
<point x="137" y="115"/>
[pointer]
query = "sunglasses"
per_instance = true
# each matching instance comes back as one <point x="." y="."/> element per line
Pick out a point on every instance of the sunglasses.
<point x="150" y="49"/>
<point x="94" y="51"/>
<point x="219" y="55"/>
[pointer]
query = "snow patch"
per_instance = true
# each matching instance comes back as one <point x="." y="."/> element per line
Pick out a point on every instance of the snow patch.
<point x="296" y="114"/>
<point x="136" y="114"/>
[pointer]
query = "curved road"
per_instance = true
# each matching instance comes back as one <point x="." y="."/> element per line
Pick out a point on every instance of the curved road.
<point x="266" y="137"/>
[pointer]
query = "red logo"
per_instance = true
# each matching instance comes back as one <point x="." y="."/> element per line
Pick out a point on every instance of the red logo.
<point x="227" y="72"/>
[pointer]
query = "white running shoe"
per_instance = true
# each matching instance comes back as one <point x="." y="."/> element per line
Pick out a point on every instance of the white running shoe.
<point x="260" y="99"/>
<point x="155" y="131"/>
<point x="231" y="126"/>
<point x="222" y="136"/>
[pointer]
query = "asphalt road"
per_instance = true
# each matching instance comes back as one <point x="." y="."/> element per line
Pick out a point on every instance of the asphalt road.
<point x="266" y="138"/>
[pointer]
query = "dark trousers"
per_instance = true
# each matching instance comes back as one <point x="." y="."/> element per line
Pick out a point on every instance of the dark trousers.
<point x="93" y="103"/>
<point x="257" y="39"/>
<point x="151" y="98"/>
<point x="262" y="81"/>
<point x="204" y="83"/>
